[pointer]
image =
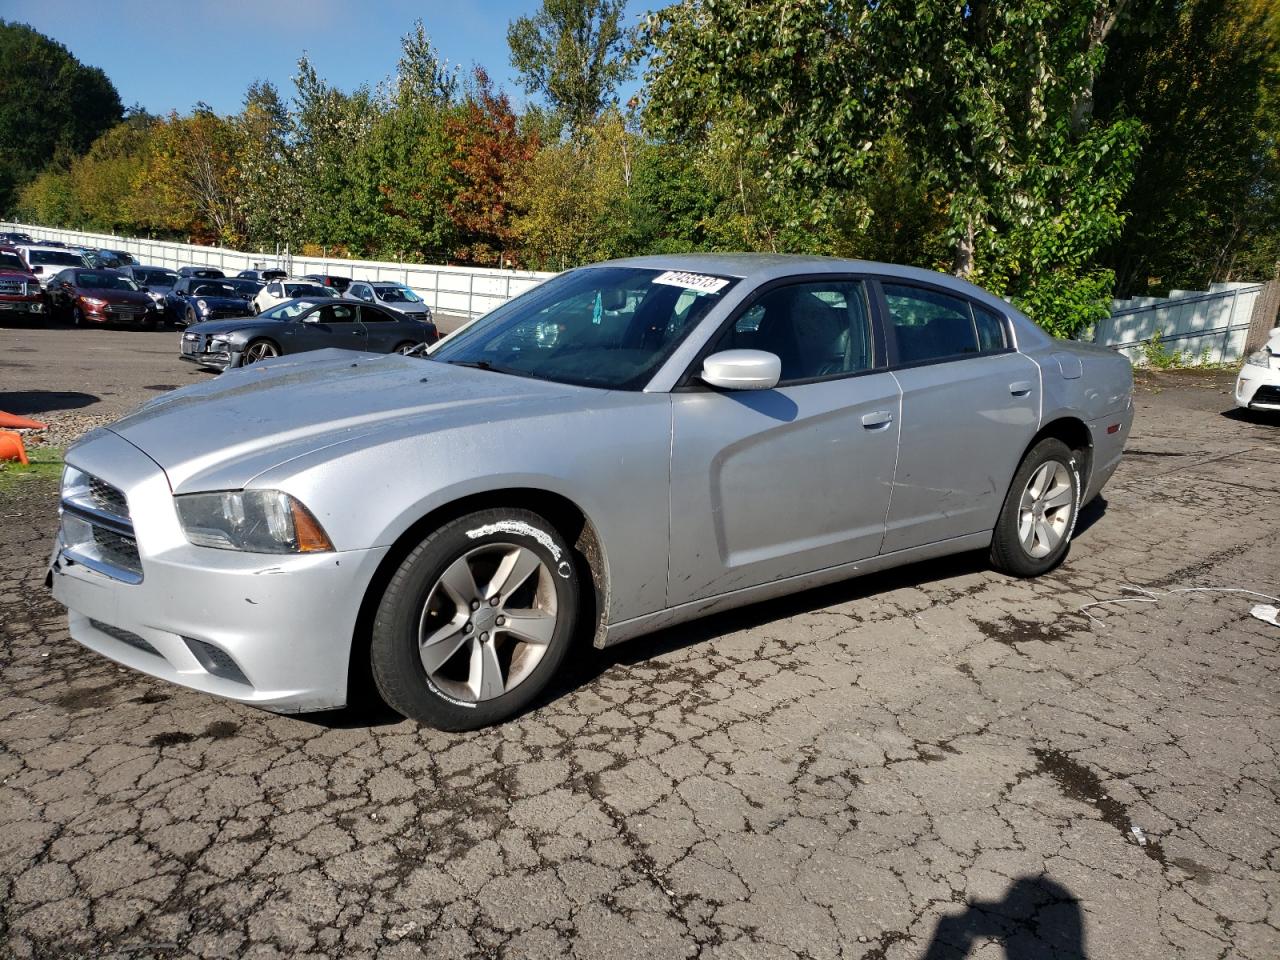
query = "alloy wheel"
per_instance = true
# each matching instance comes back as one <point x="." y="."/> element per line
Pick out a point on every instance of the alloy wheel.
<point x="260" y="351"/>
<point x="487" y="622"/>
<point x="1044" y="512"/>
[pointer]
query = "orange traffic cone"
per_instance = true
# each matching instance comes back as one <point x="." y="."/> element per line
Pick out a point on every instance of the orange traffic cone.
<point x="11" y="447"/>
<point x="14" y="422"/>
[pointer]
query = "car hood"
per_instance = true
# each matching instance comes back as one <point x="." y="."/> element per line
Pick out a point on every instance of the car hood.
<point x="116" y="296"/>
<point x="219" y="301"/>
<point x="211" y="328"/>
<point x="8" y="274"/>
<point x="221" y="433"/>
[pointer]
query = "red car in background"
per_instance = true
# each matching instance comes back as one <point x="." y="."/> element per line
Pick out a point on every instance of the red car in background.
<point x="21" y="297"/>
<point x="90" y="295"/>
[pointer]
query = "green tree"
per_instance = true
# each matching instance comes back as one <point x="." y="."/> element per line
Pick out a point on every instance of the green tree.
<point x="1203" y="76"/>
<point x="991" y="102"/>
<point x="573" y="52"/>
<point x="52" y="107"/>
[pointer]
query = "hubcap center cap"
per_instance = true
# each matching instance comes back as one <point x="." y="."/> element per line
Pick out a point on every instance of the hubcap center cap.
<point x="484" y="618"/>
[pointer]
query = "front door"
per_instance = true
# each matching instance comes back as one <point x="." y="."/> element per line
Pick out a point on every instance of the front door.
<point x="332" y="325"/>
<point x="774" y="483"/>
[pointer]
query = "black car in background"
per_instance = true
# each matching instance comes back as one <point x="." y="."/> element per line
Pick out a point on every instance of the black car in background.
<point x="297" y="326"/>
<point x="208" y="273"/>
<point x="265" y="276"/>
<point x="156" y="281"/>
<point x="339" y="284"/>
<point x="194" y="299"/>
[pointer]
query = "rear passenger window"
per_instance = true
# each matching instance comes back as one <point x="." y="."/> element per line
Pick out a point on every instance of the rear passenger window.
<point x="991" y="333"/>
<point x="930" y="325"/>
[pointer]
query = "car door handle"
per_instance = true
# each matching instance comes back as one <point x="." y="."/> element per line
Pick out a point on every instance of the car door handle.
<point x="1020" y="388"/>
<point x="877" y="420"/>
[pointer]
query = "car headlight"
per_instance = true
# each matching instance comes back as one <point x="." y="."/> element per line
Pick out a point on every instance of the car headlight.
<point x="203" y="307"/>
<point x="157" y="297"/>
<point x="1259" y="358"/>
<point x="255" y="521"/>
<point x="94" y="301"/>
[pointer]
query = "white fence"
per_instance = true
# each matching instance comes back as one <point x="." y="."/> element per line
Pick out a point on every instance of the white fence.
<point x="1212" y="323"/>
<point x="461" y="291"/>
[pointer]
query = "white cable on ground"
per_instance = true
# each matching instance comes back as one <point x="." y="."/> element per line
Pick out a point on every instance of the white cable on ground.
<point x="1154" y="596"/>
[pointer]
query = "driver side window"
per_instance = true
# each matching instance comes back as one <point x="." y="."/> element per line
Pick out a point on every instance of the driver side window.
<point x="335" y="313"/>
<point x="274" y="290"/>
<point x="818" y="330"/>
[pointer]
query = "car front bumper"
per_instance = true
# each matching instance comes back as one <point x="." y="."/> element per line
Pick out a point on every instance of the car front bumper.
<point x="1258" y="388"/>
<point x="273" y="631"/>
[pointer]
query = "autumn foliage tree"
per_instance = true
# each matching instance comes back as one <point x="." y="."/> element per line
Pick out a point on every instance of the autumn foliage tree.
<point x="492" y="157"/>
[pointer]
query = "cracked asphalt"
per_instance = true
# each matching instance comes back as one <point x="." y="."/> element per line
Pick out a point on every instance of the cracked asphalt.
<point x="935" y="762"/>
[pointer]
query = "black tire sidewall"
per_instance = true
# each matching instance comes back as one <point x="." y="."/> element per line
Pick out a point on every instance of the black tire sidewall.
<point x="1007" y="553"/>
<point x="397" y="668"/>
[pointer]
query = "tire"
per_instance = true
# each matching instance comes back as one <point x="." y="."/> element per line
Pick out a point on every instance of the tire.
<point x="77" y="317"/>
<point x="444" y="683"/>
<point x="1035" y="527"/>
<point x="405" y="347"/>
<point x="191" y="316"/>
<point x="257" y="350"/>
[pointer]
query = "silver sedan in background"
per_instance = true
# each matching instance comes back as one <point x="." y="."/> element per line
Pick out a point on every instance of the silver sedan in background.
<point x="625" y="447"/>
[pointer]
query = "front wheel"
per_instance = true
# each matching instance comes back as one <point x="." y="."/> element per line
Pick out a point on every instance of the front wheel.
<point x="1034" y="531"/>
<point x="476" y="620"/>
<point x="259" y="350"/>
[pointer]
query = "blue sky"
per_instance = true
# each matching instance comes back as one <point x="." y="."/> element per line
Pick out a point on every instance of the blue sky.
<point x="170" y="54"/>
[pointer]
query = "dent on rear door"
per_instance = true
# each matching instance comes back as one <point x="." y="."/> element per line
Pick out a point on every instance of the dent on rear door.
<point x="964" y="429"/>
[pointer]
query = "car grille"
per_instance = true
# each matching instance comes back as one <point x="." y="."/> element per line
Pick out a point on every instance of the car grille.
<point x="97" y="530"/>
<point x="215" y="660"/>
<point x="124" y="636"/>
<point x="126" y="310"/>
<point x="1267" y="393"/>
<point x="13" y="288"/>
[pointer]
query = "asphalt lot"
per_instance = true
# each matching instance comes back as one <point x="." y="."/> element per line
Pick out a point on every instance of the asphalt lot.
<point x="936" y="762"/>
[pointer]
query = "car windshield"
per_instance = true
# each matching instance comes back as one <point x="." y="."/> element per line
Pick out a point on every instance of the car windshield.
<point x="90" y="280"/>
<point x="304" y="290"/>
<point x="156" y="278"/>
<point x="608" y="327"/>
<point x="397" y="295"/>
<point x="219" y="289"/>
<point x="12" y="261"/>
<point x="56" y="258"/>
<point x="289" y="310"/>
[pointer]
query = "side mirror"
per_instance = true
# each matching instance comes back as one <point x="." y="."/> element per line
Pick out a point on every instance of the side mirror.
<point x="742" y="370"/>
<point x="37" y="269"/>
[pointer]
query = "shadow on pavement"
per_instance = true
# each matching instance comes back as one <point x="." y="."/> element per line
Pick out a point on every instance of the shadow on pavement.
<point x="27" y="402"/>
<point x="1037" y="918"/>
<point x="1268" y="418"/>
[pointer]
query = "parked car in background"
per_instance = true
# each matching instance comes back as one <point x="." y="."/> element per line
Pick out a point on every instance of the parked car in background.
<point x="328" y="280"/>
<point x="21" y="296"/>
<point x="193" y="299"/>
<point x="208" y="273"/>
<point x="155" y="281"/>
<point x="622" y="448"/>
<point x="45" y="260"/>
<point x="297" y="326"/>
<point x="281" y="291"/>
<point x="14" y="239"/>
<point x="265" y="275"/>
<point x="87" y="295"/>
<point x="1258" y="385"/>
<point x="393" y="296"/>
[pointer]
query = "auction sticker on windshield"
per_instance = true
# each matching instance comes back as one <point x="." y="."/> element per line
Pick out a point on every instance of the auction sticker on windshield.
<point x="692" y="281"/>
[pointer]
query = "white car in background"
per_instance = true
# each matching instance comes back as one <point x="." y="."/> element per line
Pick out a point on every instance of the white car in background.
<point x="1258" y="386"/>
<point x="281" y="291"/>
<point x="47" y="262"/>
<point x="394" y="296"/>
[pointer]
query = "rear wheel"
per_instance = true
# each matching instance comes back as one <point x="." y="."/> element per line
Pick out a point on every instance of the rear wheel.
<point x="407" y="347"/>
<point x="1034" y="531"/>
<point x="191" y="316"/>
<point x="476" y="620"/>
<point x="259" y="350"/>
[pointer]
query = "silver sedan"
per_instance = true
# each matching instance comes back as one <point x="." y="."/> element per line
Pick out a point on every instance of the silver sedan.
<point x="627" y="446"/>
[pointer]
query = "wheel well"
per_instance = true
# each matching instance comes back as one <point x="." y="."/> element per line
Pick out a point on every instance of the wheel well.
<point x="1075" y="434"/>
<point x="569" y="521"/>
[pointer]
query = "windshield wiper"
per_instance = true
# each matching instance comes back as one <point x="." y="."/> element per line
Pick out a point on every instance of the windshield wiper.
<point x="476" y="364"/>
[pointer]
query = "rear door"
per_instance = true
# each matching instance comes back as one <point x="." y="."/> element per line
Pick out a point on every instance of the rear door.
<point x="970" y="406"/>
<point x="775" y="483"/>
<point x="384" y="331"/>
<point x="332" y="325"/>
